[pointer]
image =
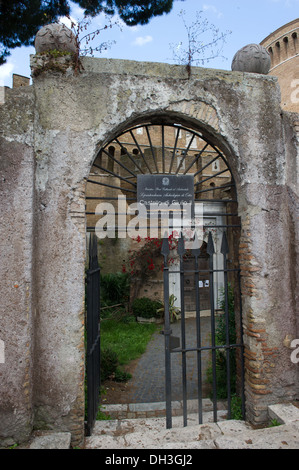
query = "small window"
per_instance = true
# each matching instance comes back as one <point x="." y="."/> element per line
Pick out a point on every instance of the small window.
<point x="216" y="165"/>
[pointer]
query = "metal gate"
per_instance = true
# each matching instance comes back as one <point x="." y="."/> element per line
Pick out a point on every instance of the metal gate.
<point x="175" y="345"/>
<point x="93" y="335"/>
<point x="163" y="147"/>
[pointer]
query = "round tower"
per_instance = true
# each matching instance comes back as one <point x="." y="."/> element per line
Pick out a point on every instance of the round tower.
<point x="283" y="47"/>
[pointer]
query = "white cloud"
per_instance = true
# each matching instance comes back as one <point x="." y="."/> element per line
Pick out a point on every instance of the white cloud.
<point x="141" y="40"/>
<point x="6" y="71"/>
<point x="213" y="9"/>
<point x="77" y="11"/>
<point x="68" y="21"/>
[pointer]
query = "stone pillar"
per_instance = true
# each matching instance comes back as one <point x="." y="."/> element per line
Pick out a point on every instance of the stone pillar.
<point x="268" y="311"/>
<point x="16" y="268"/>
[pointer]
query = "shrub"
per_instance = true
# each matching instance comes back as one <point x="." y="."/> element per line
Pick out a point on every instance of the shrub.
<point x="115" y="288"/>
<point x="146" y="308"/>
<point x="109" y="363"/>
<point x="221" y="358"/>
<point x="121" y="375"/>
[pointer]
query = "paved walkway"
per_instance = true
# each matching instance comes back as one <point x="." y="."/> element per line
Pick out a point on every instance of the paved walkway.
<point x="148" y="382"/>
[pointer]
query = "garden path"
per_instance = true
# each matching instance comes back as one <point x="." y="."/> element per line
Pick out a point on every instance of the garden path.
<point x="148" y="372"/>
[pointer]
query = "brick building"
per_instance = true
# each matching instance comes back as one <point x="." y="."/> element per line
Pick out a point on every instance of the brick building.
<point x="283" y="47"/>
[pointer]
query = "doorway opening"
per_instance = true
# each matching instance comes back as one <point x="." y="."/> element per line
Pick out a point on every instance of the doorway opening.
<point x="203" y="286"/>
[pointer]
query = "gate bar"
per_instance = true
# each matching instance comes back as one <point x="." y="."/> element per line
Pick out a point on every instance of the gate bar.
<point x="93" y="336"/>
<point x="167" y="332"/>
<point x="225" y="250"/>
<point x="196" y="253"/>
<point x="211" y="251"/>
<point x="181" y="252"/>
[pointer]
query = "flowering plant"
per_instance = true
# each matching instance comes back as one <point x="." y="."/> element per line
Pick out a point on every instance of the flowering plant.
<point x="146" y="260"/>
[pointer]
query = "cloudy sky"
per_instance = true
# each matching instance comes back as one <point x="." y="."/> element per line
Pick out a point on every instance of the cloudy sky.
<point x="159" y="41"/>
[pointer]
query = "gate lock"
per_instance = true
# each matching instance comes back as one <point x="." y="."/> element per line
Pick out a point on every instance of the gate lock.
<point x="174" y="341"/>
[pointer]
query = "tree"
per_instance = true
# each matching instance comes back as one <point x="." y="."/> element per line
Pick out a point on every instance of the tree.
<point x="204" y="42"/>
<point x="21" y="19"/>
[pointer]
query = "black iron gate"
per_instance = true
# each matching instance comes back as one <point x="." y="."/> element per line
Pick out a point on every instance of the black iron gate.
<point x="175" y="345"/>
<point x="161" y="147"/>
<point x="92" y="335"/>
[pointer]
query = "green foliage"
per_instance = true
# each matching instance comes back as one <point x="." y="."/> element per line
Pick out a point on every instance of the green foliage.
<point x="221" y="325"/>
<point x="132" y="12"/>
<point x="20" y="21"/>
<point x="236" y="407"/>
<point x="128" y="340"/>
<point x="110" y="366"/>
<point x="146" y="308"/>
<point x="102" y="416"/>
<point x="115" y="288"/>
<point x="109" y="363"/>
<point x="221" y="355"/>
<point x="174" y="312"/>
<point x="273" y="423"/>
<point x="55" y="53"/>
<point x="121" y="375"/>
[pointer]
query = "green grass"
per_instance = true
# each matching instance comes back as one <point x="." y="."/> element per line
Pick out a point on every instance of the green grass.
<point x="128" y="340"/>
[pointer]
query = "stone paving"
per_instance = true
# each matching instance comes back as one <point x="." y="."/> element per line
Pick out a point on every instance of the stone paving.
<point x="148" y="382"/>
<point x="129" y="434"/>
<point x="141" y="423"/>
<point x="152" y="433"/>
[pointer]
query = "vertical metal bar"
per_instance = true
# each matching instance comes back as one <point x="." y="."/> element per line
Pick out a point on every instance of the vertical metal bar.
<point x="163" y="149"/>
<point x="93" y="335"/>
<point x="181" y="252"/>
<point x="196" y="253"/>
<point x="167" y="332"/>
<point x="174" y="150"/>
<point x="224" y="250"/>
<point x="140" y="151"/>
<point x="152" y="148"/>
<point x="185" y="154"/>
<point x="211" y="251"/>
<point x="88" y="346"/>
<point x="93" y="321"/>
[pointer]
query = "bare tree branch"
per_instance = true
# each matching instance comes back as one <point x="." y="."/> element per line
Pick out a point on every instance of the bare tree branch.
<point x="204" y="42"/>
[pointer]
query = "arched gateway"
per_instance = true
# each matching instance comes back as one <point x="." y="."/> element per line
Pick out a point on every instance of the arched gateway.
<point x="184" y="186"/>
<point x="53" y="132"/>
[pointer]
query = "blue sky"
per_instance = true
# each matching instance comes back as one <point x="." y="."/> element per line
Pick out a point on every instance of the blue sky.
<point x="249" y="22"/>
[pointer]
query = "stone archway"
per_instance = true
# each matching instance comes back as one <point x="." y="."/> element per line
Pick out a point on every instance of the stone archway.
<point x="162" y="146"/>
<point x="51" y="135"/>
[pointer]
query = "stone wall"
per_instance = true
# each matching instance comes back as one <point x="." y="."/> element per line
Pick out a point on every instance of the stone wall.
<point x="51" y="134"/>
<point x="16" y="267"/>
